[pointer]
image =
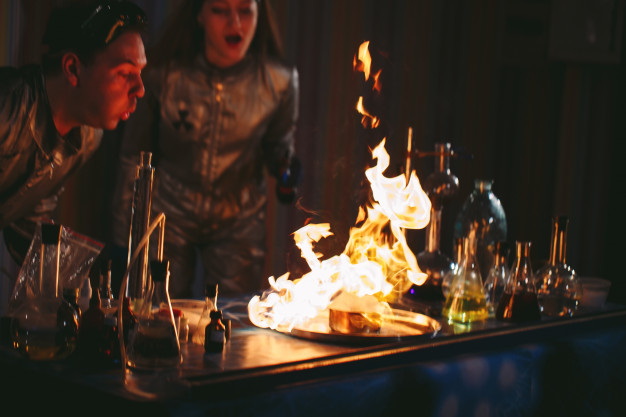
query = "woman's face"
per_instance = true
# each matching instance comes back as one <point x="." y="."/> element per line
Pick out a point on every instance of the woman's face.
<point x="229" y="27"/>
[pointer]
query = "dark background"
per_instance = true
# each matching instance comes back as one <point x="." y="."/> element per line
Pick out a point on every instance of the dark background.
<point x="533" y="89"/>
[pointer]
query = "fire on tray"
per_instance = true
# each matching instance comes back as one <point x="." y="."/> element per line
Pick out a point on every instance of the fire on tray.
<point x="377" y="265"/>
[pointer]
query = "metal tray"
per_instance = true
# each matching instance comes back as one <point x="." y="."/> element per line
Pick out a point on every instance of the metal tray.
<point x="401" y="325"/>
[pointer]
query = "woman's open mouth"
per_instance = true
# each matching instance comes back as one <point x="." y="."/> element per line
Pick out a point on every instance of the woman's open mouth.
<point x="233" y="40"/>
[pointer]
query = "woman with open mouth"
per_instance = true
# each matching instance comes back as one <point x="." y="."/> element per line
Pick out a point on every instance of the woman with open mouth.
<point x="220" y="108"/>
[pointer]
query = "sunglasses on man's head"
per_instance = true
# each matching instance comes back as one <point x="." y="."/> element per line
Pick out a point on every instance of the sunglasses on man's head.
<point x="109" y="17"/>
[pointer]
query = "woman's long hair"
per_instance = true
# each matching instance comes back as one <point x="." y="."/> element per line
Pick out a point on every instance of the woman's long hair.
<point x="182" y="37"/>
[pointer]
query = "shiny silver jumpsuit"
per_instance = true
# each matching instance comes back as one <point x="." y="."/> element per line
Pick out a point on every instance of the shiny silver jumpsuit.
<point x="211" y="133"/>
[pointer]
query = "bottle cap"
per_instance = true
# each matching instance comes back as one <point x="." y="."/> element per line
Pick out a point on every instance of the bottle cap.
<point x="215" y="314"/>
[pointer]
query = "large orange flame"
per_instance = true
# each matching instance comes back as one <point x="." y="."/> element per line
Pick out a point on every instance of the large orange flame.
<point x="374" y="262"/>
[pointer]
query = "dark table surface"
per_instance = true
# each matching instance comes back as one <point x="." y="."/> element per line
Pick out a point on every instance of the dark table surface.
<point x="259" y="362"/>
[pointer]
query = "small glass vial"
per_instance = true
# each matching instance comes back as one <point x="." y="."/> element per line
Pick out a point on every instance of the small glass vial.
<point x="559" y="290"/>
<point x="519" y="299"/>
<point x="210" y="304"/>
<point x="215" y="333"/>
<point x="465" y="302"/>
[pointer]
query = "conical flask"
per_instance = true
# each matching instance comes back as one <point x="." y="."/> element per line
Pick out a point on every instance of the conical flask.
<point x="559" y="290"/>
<point x="482" y="208"/>
<point x="497" y="277"/>
<point x="153" y="343"/>
<point x="466" y="302"/>
<point x="519" y="299"/>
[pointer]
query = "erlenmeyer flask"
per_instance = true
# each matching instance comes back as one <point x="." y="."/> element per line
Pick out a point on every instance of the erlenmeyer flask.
<point x="153" y="343"/>
<point x="519" y="299"/>
<point x="496" y="279"/>
<point x="559" y="290"/>
<point x="465" y="302"/>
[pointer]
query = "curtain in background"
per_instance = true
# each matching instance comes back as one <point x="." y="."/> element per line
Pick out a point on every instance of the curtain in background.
<point x="485" y="75"/>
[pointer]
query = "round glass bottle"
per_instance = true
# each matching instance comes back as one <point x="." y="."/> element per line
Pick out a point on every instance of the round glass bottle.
<point x="483" y="210"/>
<point x="559" y="290"/>
<point x="519" y="299"/>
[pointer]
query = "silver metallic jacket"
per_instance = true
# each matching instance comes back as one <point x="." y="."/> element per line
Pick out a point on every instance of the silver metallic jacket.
<point x="35" y="161"/>
<point x="211" y="132"/>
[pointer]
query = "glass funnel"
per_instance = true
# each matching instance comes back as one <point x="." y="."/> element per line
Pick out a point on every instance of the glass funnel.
<point x="519" y="299"/>
<point x="559" y="290"/>
<point x="466" y="302"/>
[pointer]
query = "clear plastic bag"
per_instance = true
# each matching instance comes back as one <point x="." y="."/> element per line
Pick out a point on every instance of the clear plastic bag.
<point x="77" y="254"/>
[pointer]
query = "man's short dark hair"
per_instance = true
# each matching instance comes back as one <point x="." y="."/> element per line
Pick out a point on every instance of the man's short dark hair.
<point x="86" y="28"/>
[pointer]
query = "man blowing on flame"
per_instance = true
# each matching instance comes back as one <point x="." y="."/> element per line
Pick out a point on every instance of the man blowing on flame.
<point x="52" y="114"/>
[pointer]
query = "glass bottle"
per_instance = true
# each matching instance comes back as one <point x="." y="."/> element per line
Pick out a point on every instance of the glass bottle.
<point x="44" y="326"/>
<point x="496" y="279"/>
<point x="559" y="290"/>
<point x="447" y="279"/>
<point x="465" y="302"/>
<point x="107" y="301"/>
<point x="210" y="304"/>
<point x="153" y="343"/>
<point x="484" y="210"/>
<point x="440" y="185"/>
<point x="215" y="333"/>
<point x="519" y="299"/>
<point x="94" y="340"/>
<point x="71" y="296"/>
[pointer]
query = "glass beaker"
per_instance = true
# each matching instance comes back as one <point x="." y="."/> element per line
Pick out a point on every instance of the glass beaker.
<point x="153" y="342"/>
<point x="465" y="302"/>
<point x="519" y="299"/>
<point x="482" y="208"/>
<point x="497" y="277"/>
<point x="45" y="326"/>
<point x="559" y="290"/>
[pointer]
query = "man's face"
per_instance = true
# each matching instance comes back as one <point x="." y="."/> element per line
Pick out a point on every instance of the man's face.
<point x="110" y="86"/>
